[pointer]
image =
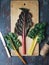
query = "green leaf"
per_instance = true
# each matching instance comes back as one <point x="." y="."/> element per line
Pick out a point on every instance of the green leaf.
<point x="13" y="35"/>
<point x="8" y="42"/>
<point x="39" y="29"/>
<point x="16" y="42"/>
<point x="10" y="39"/>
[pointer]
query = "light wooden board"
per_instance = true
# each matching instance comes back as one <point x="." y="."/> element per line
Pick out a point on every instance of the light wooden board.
<point x="15" y="11"/>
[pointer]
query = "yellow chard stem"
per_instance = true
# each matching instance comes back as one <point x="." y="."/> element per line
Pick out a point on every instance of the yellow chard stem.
<point x="17" y="53"/>
<point x="32" y="47"/>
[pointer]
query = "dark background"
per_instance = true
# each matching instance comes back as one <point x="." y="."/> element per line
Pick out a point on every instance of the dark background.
<point x="5" y="28"/>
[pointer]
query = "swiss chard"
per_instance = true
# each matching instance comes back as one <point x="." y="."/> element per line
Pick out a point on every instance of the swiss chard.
<point x="12" y="38"/>
<point x="37" y="34"/>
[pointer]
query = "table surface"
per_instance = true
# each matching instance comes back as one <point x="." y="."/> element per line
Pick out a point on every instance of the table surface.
<point x="5" y="20"/>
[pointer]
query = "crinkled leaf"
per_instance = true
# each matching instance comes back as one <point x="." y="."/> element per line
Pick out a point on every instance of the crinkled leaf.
<point x="10" y="39"/>
<point x="39" y="29"/>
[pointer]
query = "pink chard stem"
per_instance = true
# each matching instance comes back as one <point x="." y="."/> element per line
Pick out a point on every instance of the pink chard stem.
<point x="24" y="38"/>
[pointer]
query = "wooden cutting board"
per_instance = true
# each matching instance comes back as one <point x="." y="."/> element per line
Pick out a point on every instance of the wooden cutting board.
<point x="15" y="11"/>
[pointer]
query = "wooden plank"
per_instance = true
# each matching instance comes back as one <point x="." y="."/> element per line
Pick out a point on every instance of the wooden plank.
<point x="34" y="9"/>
